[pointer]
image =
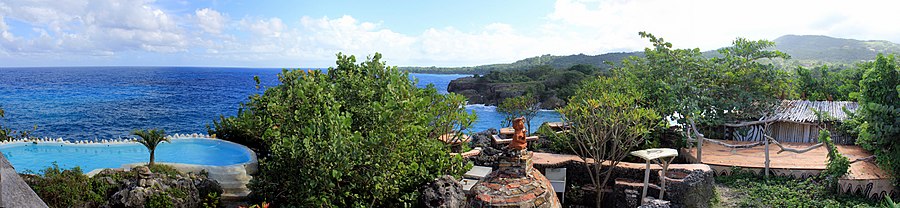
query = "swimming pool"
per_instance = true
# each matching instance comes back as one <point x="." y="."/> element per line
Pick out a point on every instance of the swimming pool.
<point x="26" y="156"/>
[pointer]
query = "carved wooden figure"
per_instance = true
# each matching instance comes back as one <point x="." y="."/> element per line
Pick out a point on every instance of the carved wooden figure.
<point x="518" y="140"/>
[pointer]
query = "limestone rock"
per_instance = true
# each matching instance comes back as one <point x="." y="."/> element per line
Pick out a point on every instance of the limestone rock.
<point x="139" y="185"/>
<point x="443" y="192"/>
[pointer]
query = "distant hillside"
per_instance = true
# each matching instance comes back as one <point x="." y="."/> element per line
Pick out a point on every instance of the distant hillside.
<point x="805" y="50"/>
<point x="832" y="50"/>
<point x="549" y="60"/>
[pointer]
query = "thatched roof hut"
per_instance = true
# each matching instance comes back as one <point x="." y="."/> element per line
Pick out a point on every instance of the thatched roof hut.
<point x="796" y="121"/>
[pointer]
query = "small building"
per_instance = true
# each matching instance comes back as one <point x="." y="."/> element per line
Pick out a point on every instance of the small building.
<point x="795" y="121"/>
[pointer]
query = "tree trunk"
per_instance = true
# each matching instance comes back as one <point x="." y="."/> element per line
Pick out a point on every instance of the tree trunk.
<point x="152" y="156"/>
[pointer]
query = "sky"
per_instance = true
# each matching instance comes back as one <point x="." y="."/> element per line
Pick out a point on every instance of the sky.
<point x="294" y="34"/>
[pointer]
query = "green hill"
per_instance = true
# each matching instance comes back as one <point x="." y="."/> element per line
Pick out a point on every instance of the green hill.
<point x="805" y="50"/>
<point x="548" y="60"/>
<point x="832" y="50"/>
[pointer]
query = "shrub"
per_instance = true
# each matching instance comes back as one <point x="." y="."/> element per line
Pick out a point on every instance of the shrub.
<point x="167" y="170"/>
<point x="838" y="164"/>
<point x="361" y="135"/>
<point x="64" y="188"/>
<point x="877" y="121"/>
<point x="779" y="191"/>
<point x="159" y="200"/>
<point x="607" y="123"/>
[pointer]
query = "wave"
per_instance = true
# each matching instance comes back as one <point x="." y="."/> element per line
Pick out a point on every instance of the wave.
<point x="481" y="107"/>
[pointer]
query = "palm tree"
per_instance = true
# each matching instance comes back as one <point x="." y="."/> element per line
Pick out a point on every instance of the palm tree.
<point x="150" y="139"/>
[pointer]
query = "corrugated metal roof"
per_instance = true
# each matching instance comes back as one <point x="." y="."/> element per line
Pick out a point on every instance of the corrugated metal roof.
<point x="800" y="110"/>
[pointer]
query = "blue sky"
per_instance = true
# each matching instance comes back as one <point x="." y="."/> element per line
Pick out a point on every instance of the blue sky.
<point x="247" y="33"/>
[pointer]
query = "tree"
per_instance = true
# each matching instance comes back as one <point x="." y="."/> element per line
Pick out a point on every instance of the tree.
<point x="515" y="107"/>
<point x="360" y="135"/>
<point x="877" y="121"/>
<point x="607" y="122"/>
<point x="731" y="87"/>
<point x="150" y="139"/>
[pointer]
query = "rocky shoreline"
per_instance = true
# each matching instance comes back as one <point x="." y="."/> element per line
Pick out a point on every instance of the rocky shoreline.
<point x="481" y="92"/>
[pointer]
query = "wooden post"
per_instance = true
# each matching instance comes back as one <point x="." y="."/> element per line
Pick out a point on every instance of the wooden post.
<point x="699" y="148"/>
<point x="767" y="158"/>
<point x="766" y="129"/>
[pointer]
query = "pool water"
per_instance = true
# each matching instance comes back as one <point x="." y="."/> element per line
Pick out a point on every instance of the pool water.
<point x="36" y="157"/>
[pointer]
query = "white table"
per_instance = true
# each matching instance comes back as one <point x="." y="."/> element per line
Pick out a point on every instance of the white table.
<point x="657" y="155"/>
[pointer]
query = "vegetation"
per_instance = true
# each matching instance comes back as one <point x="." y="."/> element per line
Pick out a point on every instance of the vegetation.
<point x="729" y="88"/>
<point x="780" y="191"/>
<point x="66" y="188"/>
<point x="829" y="83"/>
<point x="362" y="135"/>
<point x="549" y="86"/>
<point x="523" y="106"/>
<point x="150" y="139"/>
<point x="824" y="49"/>
<point x="559" y="62"/>
<point x="606" y="123"/>
<point x="877" y="121"/>
<point x="838" y="164"/>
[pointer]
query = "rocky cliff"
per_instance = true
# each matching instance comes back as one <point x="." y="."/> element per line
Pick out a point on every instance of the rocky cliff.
<point x="478" y="91"/>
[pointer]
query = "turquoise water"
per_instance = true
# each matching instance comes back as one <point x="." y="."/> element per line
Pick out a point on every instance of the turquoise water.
<point x="36" y="157"/>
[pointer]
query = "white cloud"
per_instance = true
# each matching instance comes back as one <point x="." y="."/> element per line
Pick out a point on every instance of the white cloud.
<point x="710" y="24"/>
<point x="95" y="27"/>
<point x="210" y="20"/>
<point x="116" y="27"/>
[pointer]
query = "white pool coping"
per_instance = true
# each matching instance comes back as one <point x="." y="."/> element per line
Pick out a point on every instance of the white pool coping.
<point x="250" y="166"/>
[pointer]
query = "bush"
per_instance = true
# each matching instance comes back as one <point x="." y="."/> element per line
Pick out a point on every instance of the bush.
<point x="361" y="135"/>
<point x="65" y="188"/>
<point x="778" y="191"/>
<point x="838" y="164"/>
<point x="877" y="121"/>
<point x="167" y="170"/>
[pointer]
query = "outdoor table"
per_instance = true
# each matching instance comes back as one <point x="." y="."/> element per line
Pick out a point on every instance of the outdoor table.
<point x="657" y="155"/>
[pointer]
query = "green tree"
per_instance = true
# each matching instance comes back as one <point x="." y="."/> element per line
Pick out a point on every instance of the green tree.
<point x="877" y="121"/>
<point x="150" y="139"/>
<point x="360" y="135"/>
<point x="732" y="87"/>
<point x="607" y="122"/>
<point x="515" y="107"/>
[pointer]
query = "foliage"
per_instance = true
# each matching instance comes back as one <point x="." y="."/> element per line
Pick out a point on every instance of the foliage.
<point x="522" y="106"/>
<point x="829" y="83"/>
<point x="560" y="62"/>
<point x="889" y="203"/>
<point x="558" y="143"/>
<point x="607" y="121"/>
<point x="164" y="199"/>
<point x="150" y="139"/>
<point x="211" y="200"/>
<point x="838" y="164"/>
<point x="362" y="135"/>
<point x="260" y="205"/>
<point x="780" y="191"/>
<point x="877" y="121"/>
<point x="167" y="170"/>
<point x="734" y="86"/>
<point x="64" y="188"/>
<point x="543" y="82"/>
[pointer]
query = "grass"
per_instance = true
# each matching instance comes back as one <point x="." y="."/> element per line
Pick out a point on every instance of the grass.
<point x="745" y="189"/>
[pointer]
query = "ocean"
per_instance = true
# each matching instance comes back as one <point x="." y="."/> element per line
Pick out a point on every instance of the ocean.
<point x="88" y="103"/>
